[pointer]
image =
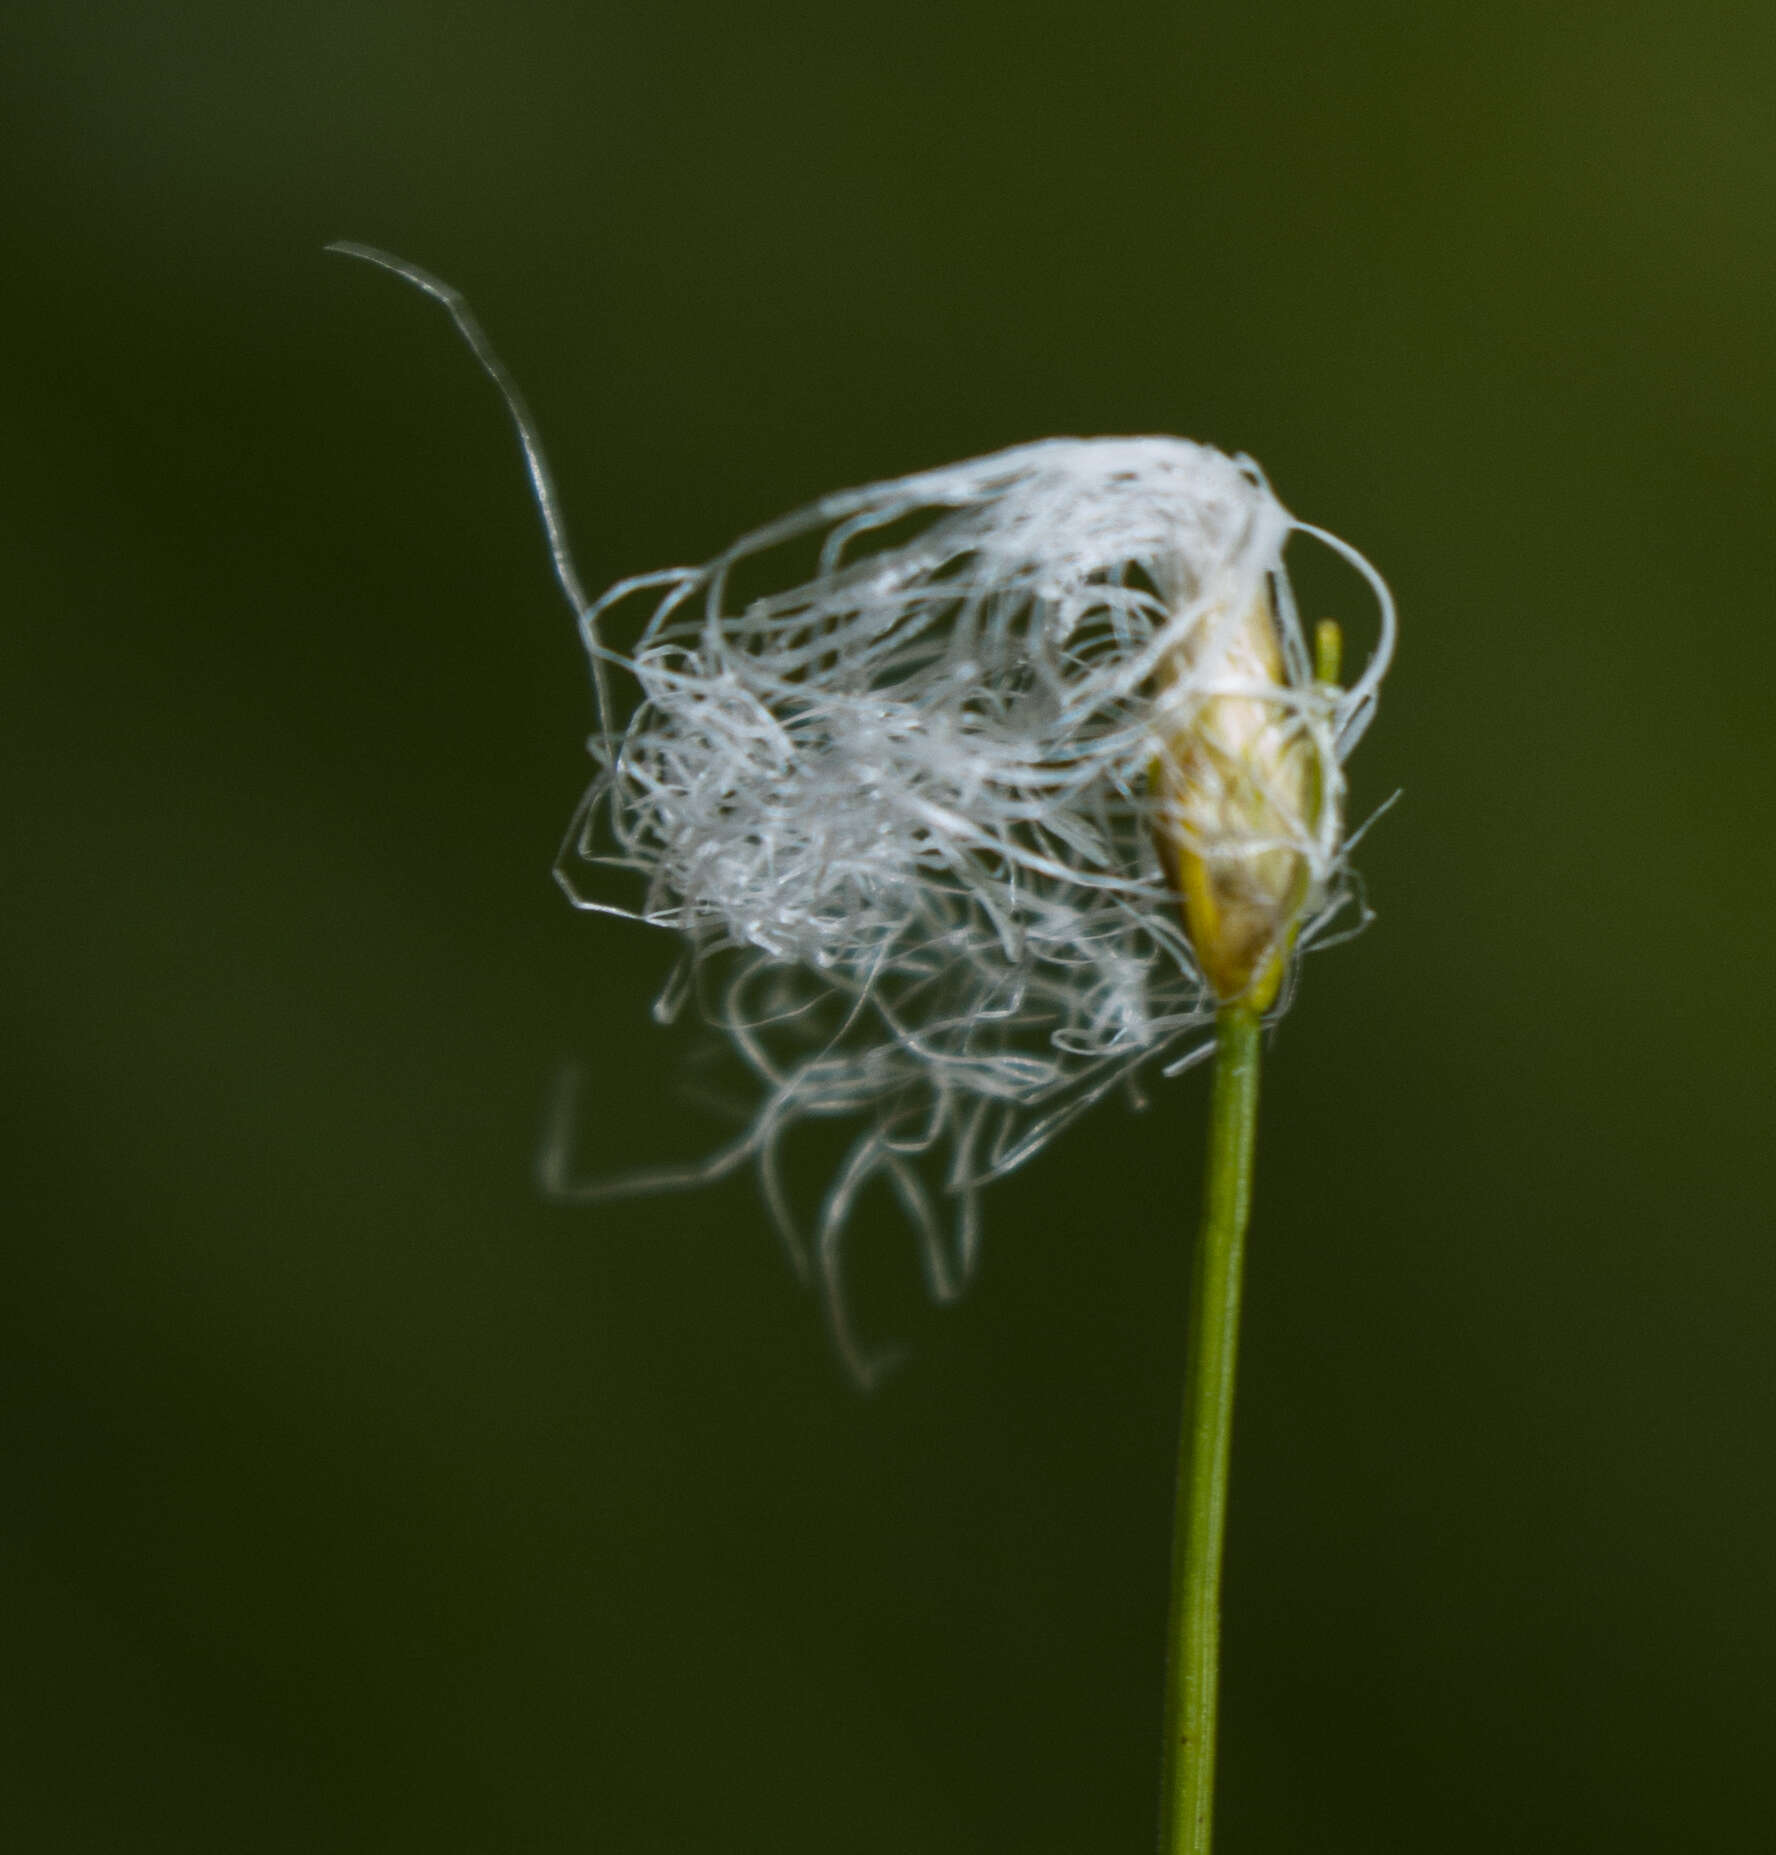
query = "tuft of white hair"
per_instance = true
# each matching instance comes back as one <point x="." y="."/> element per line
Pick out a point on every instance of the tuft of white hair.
<point x="886" y="770"/>
<point x="899" y="806"/>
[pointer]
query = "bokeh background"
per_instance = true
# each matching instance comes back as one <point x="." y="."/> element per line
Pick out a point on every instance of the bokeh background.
<point x="357" y="1499"/>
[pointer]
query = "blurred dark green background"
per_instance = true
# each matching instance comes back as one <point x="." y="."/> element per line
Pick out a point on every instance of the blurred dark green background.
<point x="356" y="1499"/>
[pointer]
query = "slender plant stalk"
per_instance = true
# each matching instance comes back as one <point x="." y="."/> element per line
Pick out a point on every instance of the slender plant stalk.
<point x="1193" y="1663"/>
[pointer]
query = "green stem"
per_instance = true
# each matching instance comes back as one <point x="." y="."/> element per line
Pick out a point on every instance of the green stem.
<point x="1188" y="1798"/>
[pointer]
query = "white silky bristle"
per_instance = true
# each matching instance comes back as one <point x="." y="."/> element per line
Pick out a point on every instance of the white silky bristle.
<point x="899" y="801"/>
<point x="900" y="807"/>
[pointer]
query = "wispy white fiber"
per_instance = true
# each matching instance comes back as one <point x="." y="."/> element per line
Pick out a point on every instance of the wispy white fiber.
<point x="885" y="767"/>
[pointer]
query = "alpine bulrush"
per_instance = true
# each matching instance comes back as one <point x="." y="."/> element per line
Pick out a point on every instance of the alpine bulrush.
<point x="969" y="795"/>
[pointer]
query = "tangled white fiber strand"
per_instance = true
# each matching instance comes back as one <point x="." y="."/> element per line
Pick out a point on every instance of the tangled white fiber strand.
<point x="889" y="777"/>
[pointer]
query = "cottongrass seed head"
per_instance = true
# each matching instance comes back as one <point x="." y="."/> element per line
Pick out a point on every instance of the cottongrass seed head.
<point x="970" y="795"/>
